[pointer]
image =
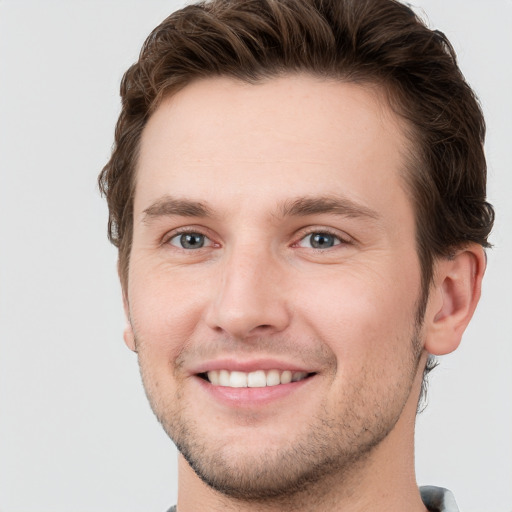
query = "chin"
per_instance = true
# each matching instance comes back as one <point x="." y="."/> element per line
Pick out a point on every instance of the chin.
<point x="259" y="467"/>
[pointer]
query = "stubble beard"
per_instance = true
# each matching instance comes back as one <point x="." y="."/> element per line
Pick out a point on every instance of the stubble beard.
<point x="325" y="450"/>
<point x="329" y="448"/>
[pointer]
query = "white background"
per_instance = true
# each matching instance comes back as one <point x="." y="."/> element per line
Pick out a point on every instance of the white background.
<point x="76" y="433"/>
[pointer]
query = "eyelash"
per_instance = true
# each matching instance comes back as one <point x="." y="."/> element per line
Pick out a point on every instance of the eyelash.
<point x="313" y="231"/>
<point x="184" y="231"/>
<point x="322" y="231"/>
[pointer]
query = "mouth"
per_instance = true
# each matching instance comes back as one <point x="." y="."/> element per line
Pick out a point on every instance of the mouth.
<point x="255" y="379"/>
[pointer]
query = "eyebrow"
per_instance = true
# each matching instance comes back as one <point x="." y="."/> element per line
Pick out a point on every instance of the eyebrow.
<point x="337" y="205"/>
<point x="168" y="206"/>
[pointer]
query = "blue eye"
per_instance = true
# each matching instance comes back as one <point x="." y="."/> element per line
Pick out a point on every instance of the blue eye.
<point x="320" y="240"/>
<point x="189" y="241"/>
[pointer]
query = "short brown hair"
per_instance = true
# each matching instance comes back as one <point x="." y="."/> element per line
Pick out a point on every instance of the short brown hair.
<point x="366" y="41"/>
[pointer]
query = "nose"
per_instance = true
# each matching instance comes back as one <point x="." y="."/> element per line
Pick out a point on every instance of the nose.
<point x="252" y="297"/>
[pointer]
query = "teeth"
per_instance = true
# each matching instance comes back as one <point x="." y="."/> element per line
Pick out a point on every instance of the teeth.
<point x="286" y="377"/>
<point x="223" y="378"/>
<point x="273" y="378"/>
<point x="257" y="379"/>
<point x="238" y="380"/>
<point x="214" y="378"/>
<point x="298" y="376"/>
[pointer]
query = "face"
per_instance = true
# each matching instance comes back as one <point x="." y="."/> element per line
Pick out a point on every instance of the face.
<point x="274" y="279"/>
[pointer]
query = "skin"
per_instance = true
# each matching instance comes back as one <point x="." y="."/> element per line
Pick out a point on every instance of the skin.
<point x="256" y="170"/>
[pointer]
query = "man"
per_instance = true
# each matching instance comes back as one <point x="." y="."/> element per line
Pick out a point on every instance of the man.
<point x="297" y="192"/>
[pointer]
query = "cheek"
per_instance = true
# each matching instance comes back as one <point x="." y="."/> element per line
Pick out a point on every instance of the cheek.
<point x="165" y="310"/>
<point x="363" y="315"/>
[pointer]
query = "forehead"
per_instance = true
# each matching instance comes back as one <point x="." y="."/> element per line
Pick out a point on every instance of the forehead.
<point x="224" y="139"/>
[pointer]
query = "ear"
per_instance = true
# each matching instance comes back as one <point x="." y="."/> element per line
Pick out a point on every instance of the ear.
<point x="453" y="298"/>
<point x="128" y="336"/>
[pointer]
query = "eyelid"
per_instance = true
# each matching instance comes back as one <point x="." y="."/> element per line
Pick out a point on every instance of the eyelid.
<point x="343" y="237"/>
<point x="206" y="242"/>
<point x="189" y="229"/>
<point x="310" y="230"/>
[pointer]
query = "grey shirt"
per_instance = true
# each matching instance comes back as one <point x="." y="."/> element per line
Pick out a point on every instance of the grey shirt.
<point x="436" y="499"/>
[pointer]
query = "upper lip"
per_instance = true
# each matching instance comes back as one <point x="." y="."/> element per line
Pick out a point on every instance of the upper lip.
<point x="248" y="366"/>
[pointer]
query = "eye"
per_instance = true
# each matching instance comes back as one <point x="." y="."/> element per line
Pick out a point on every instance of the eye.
<point x="319" y="240"/>
<point x="190" y="241"/>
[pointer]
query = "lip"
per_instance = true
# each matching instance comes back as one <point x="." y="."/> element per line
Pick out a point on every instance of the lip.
<point x="236" y="365"/>
<point x="251" y="397"/>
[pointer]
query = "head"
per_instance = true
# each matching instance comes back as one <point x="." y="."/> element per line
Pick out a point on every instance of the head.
<point x="378" y="42"/>
<point x="379" y="46"/>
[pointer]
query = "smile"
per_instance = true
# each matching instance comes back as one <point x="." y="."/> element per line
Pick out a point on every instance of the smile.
<point x="255" y="379"/>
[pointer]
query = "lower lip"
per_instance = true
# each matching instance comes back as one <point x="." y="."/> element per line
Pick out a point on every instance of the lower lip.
<point x="250" y="397"/>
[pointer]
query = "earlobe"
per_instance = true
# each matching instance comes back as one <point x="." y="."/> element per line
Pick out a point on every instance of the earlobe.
<point x="453" y="298"/>
<point x="128" y="337"/>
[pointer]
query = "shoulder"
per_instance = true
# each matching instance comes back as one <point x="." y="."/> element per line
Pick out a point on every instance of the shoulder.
<point x="437" y="499"/>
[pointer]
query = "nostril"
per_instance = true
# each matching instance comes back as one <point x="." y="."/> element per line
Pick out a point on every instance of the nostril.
<point x="247" y="316"/>
<point x="264" y="327"/>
